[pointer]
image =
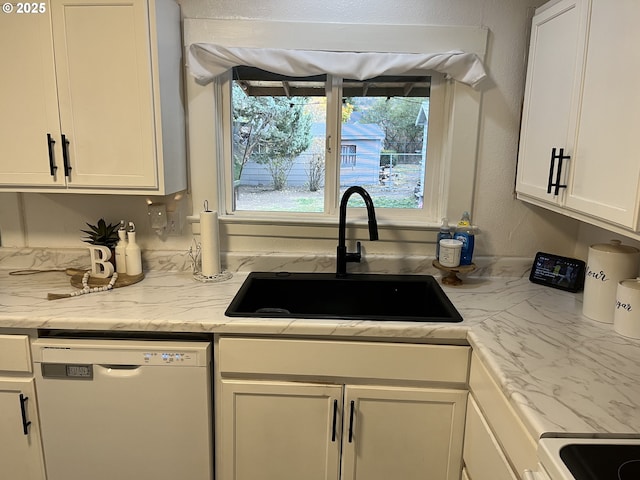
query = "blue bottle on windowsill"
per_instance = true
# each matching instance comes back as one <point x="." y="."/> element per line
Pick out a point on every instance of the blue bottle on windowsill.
<point x="465" y="233"/>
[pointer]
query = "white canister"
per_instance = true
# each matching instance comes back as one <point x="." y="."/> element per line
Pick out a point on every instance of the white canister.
<point x="608" y="264"/>
<point x="450" y="251"/>
<point x="626" y="319"/>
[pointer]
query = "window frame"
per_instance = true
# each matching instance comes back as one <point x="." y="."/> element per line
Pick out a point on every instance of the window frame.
<point x="459" y="135"/>
<point x="429" y="214"/>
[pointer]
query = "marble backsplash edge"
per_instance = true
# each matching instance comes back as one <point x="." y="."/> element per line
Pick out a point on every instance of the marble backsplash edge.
<point x="180" y="261"/>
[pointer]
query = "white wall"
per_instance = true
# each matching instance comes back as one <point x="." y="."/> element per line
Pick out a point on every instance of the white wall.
<point x="590" y="234"/>
<point x="509" y="227"/>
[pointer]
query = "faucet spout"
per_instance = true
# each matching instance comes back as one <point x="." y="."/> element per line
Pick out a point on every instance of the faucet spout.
<point x="342" y="255"/>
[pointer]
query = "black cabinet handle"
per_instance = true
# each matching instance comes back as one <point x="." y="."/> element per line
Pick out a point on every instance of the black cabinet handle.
<point x="23" y="410"/>
<point x="551" y="165"/>
<point x="52" y="163"/>
<point x="65" y="156"/>
<point x="352" y="413"/>
<point x="335" y="419"/>
<point x="560" y="157"/>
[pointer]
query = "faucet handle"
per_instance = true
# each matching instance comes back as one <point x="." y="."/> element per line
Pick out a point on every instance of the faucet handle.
<point x="355" y="256"/>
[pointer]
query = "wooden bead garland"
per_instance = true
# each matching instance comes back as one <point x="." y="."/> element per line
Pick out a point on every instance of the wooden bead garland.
<point x="87" y="289"/>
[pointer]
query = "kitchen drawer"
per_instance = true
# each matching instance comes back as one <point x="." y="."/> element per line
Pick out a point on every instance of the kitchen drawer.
<point x="15" y="355"/>
<point x="362" y="360"/>
<point x="483" y="457"/>
<point x="510" y="432"/>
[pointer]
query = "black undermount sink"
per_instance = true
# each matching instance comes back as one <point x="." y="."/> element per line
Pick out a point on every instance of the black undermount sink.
<point x="414" y="298"/>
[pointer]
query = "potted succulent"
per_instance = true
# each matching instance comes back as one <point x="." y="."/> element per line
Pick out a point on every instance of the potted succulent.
<point x="102" y="234"/>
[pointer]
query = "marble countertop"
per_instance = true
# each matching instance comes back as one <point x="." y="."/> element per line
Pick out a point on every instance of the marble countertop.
<point x="563" y="373"/>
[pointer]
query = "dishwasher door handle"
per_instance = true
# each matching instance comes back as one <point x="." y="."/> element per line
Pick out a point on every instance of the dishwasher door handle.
<point x="120" y="371"/>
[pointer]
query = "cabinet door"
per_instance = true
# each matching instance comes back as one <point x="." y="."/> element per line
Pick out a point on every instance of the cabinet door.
<point x="29" y="102"/>
<point x="103" y="70"/>
<point x="551" y="95"/>
<point x="20" y="453"/>
<point x="483" y="456"/>
<point x="606" y="172"/>
<point x="407" y="433"/>
<point x="278" y="431"/>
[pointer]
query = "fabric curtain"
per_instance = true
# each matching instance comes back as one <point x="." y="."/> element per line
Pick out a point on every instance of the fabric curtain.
<point x="206" y="61"/>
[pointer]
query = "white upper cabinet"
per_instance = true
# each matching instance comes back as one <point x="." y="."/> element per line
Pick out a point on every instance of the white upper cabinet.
<point x="29" y="101"/>
<point x="557" y="38"/>
<point x="581" y="97"/>
<point x="604" y="179"/>
<point x="95" y="98"/>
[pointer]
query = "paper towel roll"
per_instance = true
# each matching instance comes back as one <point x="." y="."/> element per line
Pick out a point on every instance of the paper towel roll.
<point x="209" y="241"/>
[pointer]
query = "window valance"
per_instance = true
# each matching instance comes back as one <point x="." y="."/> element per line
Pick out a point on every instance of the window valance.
<point x="206" y="61"/>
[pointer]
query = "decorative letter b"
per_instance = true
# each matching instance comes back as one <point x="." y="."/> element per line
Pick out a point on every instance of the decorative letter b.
<point x="100" y="265"/>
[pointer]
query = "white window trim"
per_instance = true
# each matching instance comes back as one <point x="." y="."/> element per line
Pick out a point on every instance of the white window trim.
<point x="462" y="114"/>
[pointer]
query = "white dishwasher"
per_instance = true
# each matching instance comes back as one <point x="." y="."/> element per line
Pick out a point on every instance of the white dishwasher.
<point x="124" y="409"/>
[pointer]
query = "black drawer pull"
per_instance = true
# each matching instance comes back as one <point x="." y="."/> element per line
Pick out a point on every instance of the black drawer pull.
<point x="23" y="410"/>
<point x="352" y="413"/>
<point x="335" y="419"/>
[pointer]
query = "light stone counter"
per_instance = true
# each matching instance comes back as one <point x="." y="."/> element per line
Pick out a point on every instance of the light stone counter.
<point x="562" y="372"/>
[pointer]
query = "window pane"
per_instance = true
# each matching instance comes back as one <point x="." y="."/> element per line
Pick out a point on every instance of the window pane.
<point x="279" y="126"/>
<point x="279" y="137"/>
<point x="384" y="139"/>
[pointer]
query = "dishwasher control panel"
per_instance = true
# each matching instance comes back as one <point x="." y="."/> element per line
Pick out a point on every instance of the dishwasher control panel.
<point x="151" y="353"/>
<point x="169" y="358"/>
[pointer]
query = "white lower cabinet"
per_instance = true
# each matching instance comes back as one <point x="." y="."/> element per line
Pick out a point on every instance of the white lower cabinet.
<point x="20" y="447"/>
<point x="483" y="457"/>
<point x="406" y="433"/>
<point x="322" y="425"/>
<point x="277" y="430"/>
<point x="497" y="445"/>
<point x="20" y="444"/>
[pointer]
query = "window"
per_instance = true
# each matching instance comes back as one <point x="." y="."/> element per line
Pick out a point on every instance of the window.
<point x="282" y="144"/>
<point x="453" y="115"/>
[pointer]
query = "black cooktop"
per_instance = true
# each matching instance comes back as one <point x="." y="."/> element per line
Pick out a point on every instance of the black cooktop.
<point x="602" y="461"/>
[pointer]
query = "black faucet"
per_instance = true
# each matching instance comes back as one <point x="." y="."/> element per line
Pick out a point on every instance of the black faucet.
<point x="343" y="256"/>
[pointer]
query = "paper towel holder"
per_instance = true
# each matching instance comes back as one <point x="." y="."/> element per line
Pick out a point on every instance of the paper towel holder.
<point x="197" y="254"/>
